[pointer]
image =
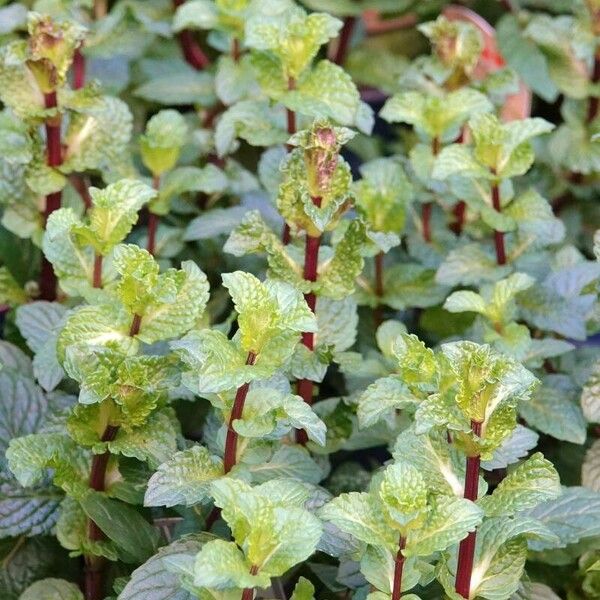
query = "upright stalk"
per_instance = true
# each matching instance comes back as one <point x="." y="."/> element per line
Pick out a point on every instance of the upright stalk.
<point x="428" y="206"/>
<point x="78" y="69"/>
<point x="311" y="264"/>
<point x="498" y="235"/>
<point x="291" y="129"/>
<point x="53" y="159"/>
<point x="97" y="275"/>
<point x="594" y="100"/>
<point x="230" y="455"/>
<point x="100" y="8"/>
<point x="153" y="221"/>
<point x="398" y="569"/>
<point x="235" y="49"/>
<point x="94" y="565"/>
<point x="192" y="52"/>
<point x="466" y="550"/>
<point x="379" y="288"/>
<point x="342" y="44"/>
<point x="460" y="208"/>
<point x="248" y="593"/>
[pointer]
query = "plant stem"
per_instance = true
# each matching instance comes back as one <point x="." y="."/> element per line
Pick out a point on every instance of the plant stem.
<point x="248" y="593"/>
<point x="235" y="49"/>
<point x="78" y="69"/>
<point x="192" y="52"/>
<point x="398" y="569"/>
<point x="460" y="207"/>
<point x="311" y="265"/>
<point x="498" y="235"/>
<point x="94" y="565"/>
<point x="53" y="159"/>
<point x="100" y="8"/>
<point x="135" y="325"/>
<point x="428" y="206"/>
<point x="466" y="551"/>
<point x="459" y="210"/>
<point x="594" y="100"/>
<point x="426" y="219"/>
<point x="153" y="221"/>
<point x="291" y="129"/>
<point x="343" y="42"/>
<point x="230" y="455"/>
<point x="97" y="277"/>
<point x="379" y="289"/>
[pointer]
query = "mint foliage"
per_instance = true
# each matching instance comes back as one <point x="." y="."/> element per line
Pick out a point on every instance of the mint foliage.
<point x="299" y="300"/>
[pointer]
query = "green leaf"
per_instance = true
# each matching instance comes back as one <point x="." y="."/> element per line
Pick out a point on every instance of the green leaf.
<point x="337" y="275"/>
<point x="255" y="121"/>
<point x="30" y="511"/>
<point x="327" y="92"/>
<point x="52" y="589"/>
<point x="113" y="214"/>
<point x="436" y="116"/>
<point x="358" y="514"/>
<point x="383" y="194"/>
<point x="176" y="89"/>
<point x="158" y="578"/>
<point x="222" y="565"/>
<point x="293" y="36"/>
<point x="470" y="265"/>
<point x="382" y="398"/>
<point x="122" y="524"/>
<point x="284" y="544"/>
<point x="196" y="14"/>
<point x="184" y="479"/>
<point x="39" y="323"/>
<point x="448" y="522"/>
<point x="572" y="517"/>
<point x="29" y="456"/>
<point x="303" y="590"/>
<point x="553" y="410"/>
<point x="166" y="133"/>
<point x="530" y="483"/>
<point x="590" y="469"/>
<point x="525" y="57"/>
<point x="97" y="136"/>
<point x="267" y="312"/>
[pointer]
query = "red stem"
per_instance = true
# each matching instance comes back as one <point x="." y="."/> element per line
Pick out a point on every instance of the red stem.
<point x="153" y="221"/>
<point x="291" y="129"/>
<point x="594" y="100"/>
<point x="230" y="455"/>
<point x="78" y="69"/>
<point x="379" y="274"/>
<point x="466" y="550"/>
<point x="311" y="264"/>
<point x="343" y="42"/>
<point x="192" y="52"/>
<point x="97" y="278"/>
<point x="379" y="289"/>
<point x="53" y="159"/>
<point x="398" y="568"/>
<point x="498" y="235"/>
<point x="459" y="210"/>
<point x="248" y="593"/>
<point x="426" y="219"/>
<point x="94" y="565"/>
<point x="135" y="325"/>
<point x="235" y="49"/>
<point x="427" y="206"/>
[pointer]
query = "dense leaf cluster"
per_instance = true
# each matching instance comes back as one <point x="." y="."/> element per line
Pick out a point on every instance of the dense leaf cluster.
<point x="296" y="310"/>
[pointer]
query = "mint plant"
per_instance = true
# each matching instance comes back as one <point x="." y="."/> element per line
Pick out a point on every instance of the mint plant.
<point x="294" y="310"/>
